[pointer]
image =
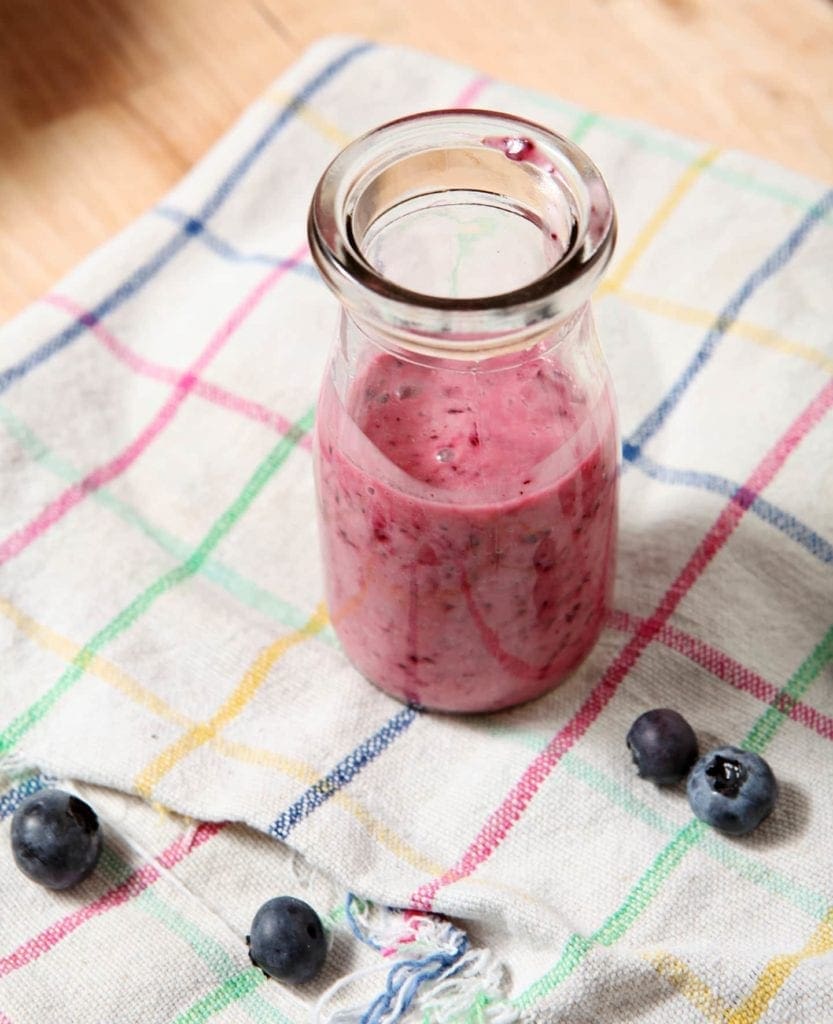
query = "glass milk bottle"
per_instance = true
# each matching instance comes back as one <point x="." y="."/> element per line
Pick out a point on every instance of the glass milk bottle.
<point x="466" y="446"/>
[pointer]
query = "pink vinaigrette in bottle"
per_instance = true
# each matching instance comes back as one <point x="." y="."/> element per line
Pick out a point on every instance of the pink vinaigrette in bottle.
<point x="466" y="445"/>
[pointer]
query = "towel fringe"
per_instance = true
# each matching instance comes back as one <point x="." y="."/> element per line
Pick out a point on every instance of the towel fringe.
<point x="431" y="970"/>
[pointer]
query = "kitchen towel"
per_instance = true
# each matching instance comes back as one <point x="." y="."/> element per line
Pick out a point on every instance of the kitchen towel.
<point x="166" y="648"/>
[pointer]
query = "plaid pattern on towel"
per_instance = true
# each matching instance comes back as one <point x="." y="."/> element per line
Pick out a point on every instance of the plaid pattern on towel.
<point x="164" y="637"/>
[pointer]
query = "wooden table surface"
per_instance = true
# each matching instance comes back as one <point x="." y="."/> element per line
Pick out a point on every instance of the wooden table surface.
<point x="104" y="104"/>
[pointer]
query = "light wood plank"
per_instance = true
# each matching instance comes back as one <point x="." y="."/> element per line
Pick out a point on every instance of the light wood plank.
<point x="105" y="103"/>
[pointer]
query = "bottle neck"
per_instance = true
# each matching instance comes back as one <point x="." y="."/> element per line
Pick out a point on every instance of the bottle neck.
<point x="513" y="349"/>
<point x="459" y="233"/>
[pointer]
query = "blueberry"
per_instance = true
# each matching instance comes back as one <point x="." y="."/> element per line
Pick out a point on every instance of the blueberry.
<point x="663" y="745"/>
<point x="287" y="940"/>
<point x="56" y="840"/>
<point x="732" y="789"/>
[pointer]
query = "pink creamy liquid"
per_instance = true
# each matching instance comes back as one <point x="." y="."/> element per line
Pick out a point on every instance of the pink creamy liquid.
<point x="468" y="522"/>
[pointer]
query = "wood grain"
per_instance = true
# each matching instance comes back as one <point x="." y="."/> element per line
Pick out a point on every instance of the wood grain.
<point x="105" y="103"/>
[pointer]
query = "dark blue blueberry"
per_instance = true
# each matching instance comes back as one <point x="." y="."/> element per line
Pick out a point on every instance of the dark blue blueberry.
<point x="663" y="745"/>
<point x="732" y="789"/>
<point x="56" y="840"/>
<point x="287" y="940"/>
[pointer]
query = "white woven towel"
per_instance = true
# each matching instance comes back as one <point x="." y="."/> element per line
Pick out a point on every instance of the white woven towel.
<point x="163" y="634"/>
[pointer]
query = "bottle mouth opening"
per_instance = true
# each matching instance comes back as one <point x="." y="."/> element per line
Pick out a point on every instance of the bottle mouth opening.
<point x="458" y="230"/>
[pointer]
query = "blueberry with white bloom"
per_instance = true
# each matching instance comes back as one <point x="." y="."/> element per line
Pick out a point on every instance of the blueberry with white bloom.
<point x="732" y="789"/>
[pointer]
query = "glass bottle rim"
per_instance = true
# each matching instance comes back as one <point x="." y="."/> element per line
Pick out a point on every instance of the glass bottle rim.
<point x="543" y="159"/>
